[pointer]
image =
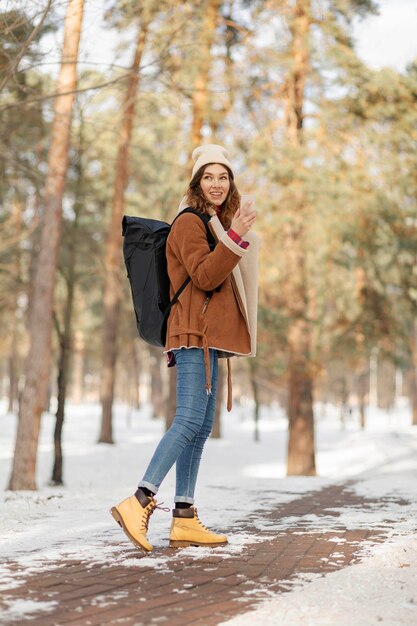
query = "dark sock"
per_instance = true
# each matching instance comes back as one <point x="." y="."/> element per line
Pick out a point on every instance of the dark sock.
<point x="183" y="505"/>
<point x="144" y="490"/>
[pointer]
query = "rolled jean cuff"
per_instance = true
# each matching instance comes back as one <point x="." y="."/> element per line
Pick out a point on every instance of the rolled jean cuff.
<point x="184" y="499"/>
<point x="150" y="486"/>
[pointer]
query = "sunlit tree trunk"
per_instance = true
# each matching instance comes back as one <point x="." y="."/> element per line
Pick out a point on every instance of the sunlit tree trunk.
<point x="77" y="390"/>
<point x="112" y="263"/>
<point x="135" y="378"/>
<point x="362" y="366"/>
<point x="13" y="363"/>
<point x="386" y="383"/>
<point x="65" y="336"/>
<point x="63" y="366"/>
<point x="255" y="393"/>
<point x="301" y="451"/>
<point x="413" y="374"/>
<point x="13" y="327"/>
<point x="157" y="391"/>
<point x="217" y="116"/>
<point x="201" y="83"/>
<point x="37" y="367"/>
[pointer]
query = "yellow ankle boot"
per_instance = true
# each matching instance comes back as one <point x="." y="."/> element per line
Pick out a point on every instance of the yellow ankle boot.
<point x="187" y="530"/>
<point x="133" y="516"/>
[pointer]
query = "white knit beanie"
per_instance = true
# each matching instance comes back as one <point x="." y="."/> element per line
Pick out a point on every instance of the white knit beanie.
<point x="210" y="153"/>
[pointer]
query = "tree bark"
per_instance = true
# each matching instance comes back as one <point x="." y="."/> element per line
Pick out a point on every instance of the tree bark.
<point x="255" y="393"/>
<point x="13" y="366"/>
<point x="362" y="391"/>
<point x="200" y="87"/>
<point x="65" y="337"/>
<point x="344" y="402"/>
<point x="301" y="448"/>
<point x="386" y="384"/>
<point x="413" y="375"/>
<point x="13" y="328"/>
<point x="362" y="367"/>
<point x="136" y="370"/>
<point x="157" y="392"/>
<point x="38" y="361"/>
<point x="112" y="263"/>
<point x="77" y="392"/>
<point x="65" y="347"/>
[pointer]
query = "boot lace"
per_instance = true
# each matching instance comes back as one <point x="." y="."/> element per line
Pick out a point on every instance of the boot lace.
<point x="199" y="521"/>
<point x="149" y="509"/>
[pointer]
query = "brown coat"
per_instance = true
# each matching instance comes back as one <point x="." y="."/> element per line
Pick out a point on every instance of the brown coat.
<point x="219" y="319"/>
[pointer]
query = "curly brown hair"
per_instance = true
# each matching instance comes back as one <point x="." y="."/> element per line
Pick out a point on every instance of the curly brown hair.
<point x="195" y="197"/>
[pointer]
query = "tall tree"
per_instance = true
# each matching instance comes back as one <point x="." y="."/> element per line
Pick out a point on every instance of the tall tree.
<point x="295" y="138"/>
<point x="112" y="264"/>
<point x="301" y="456"/>
<point x="199" y="97"/>
<point x="13" y="328"/>
<point x="37" y="366"/>
<point x="68" y="269"/>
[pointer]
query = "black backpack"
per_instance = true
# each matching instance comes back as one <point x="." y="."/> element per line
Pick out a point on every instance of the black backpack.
<point x="144" y="255"/>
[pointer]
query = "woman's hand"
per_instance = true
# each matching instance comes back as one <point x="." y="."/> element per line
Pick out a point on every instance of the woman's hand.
<point x="243" y="220"/>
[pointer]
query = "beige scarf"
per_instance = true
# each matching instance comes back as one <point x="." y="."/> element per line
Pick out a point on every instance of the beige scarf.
<point x="246" y="277"/>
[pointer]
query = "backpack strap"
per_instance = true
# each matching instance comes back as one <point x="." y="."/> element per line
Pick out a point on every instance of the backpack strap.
<point x="205" y="219"/>
<point x="212" y="244"/>
<point x="175" y="297"/>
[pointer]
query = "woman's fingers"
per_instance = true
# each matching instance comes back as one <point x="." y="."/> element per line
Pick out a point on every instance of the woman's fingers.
<point x="247" y="206"/>
<point x="249" y="219"/>
<point x="242" y="222"/>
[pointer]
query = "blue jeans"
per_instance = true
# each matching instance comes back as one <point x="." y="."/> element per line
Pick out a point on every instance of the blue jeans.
<point x="183" y="443"/>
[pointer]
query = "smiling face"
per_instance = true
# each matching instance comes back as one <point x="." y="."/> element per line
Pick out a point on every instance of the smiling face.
<point x="215" y="183"/>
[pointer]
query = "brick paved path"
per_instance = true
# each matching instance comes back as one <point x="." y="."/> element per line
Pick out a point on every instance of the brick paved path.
<point x="204" y="591"/>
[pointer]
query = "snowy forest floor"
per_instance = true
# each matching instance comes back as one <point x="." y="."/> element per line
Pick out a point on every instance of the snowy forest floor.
<point x="339" y="548"/>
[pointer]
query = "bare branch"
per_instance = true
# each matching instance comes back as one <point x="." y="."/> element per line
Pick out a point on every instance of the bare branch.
<point x="20" y="54"/>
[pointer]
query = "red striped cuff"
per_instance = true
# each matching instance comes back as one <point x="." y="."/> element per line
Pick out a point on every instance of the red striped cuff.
<point x="238" y="239"/>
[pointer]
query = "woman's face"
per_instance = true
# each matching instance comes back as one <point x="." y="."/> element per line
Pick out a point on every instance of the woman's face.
<point x="215" y="183"/>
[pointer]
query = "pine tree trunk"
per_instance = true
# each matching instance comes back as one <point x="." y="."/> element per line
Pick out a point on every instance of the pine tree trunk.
<point x="62" y="386"/>
<point x="413" y="375"/>
<point x="413" y="394"/>
<point x="13" y="328"/>
<point x="12" y="365"/>
<point x="136" y="367"/>
<point x="362" y="368"/>
<point x="344" y="402"/>
<point x="157" y="392"/>
<point x="217" y="117"/>
<point x="112" y="263"/>
<point x="63" y="372"/>
<point x="301" y="447"/>
<point x="386" y="383"/>
<point x="77" y="391"/>
<point x="255" y="393"/>
<point x="362" y="391"/>
<point x="38" y="361"/>
<point x="201" y="82"/>
<point x="65" y="338"/>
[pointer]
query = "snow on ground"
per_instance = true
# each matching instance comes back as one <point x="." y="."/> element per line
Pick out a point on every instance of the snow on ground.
<point x="380" y="589"/>
<point x="73" y="522"/>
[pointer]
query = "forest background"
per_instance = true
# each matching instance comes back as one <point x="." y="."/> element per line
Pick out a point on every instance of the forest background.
<point x="326" y="142"/>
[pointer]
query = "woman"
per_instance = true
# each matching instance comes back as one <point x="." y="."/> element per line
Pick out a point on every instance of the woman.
<point x="214" y="317"/>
